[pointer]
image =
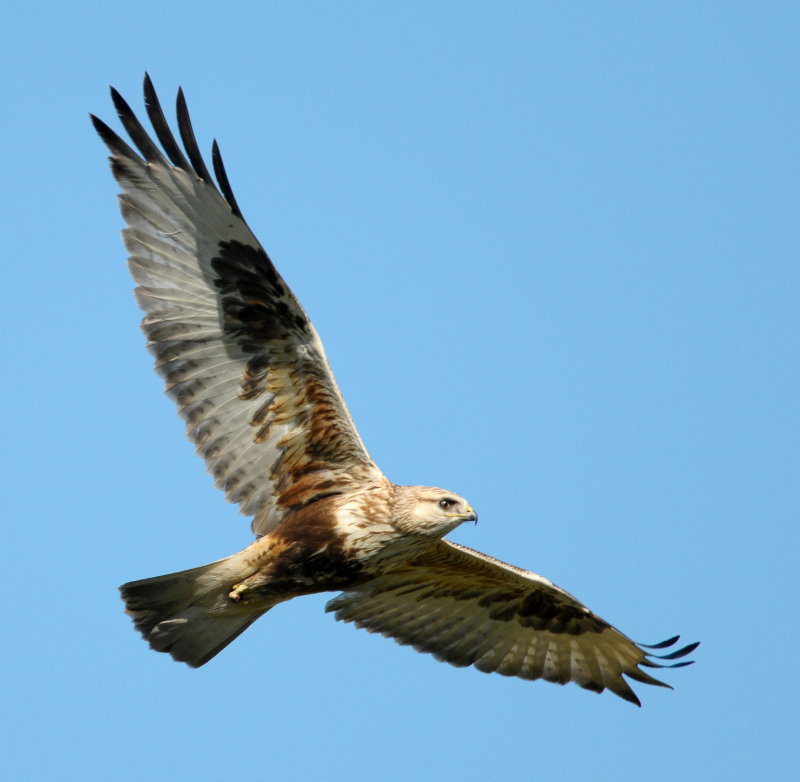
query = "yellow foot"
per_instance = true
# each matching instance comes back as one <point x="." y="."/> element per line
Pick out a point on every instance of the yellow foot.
<point x="237" y="593"/>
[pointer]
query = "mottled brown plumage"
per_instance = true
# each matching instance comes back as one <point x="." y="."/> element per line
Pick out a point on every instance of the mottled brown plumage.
<point x="248" y="373"/>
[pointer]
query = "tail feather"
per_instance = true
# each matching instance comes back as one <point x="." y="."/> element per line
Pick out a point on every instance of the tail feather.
<point x="188" y="614"/>
<point x="195" y="637"/>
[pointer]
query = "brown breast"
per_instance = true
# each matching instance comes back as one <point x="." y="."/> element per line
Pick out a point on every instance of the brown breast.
<point x="313" y="557"/>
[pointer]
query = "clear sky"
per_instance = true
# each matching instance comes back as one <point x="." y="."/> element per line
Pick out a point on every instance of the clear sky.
<point x="552" y="251"/>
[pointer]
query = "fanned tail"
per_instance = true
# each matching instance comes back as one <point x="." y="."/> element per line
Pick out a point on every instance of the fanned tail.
<point x="189" y="614"/>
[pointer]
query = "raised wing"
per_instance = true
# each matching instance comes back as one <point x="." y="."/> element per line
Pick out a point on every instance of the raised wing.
<point x="235" y="348"/>
<point x="468" y="609"/>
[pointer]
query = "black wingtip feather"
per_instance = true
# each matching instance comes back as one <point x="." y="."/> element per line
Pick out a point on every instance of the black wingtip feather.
<point x="645" y="678"/>
<point x="161" y="126"/>
<point x="682" y="652"/>
<point x="627" y="694"/>
<point x="222" y="178"/>
<point x="688" y="649"/>
<point x="149" y="151"/>
<point x="663" y="644"/>
<point x="114" y="143"/>
<point x="189" y="141"/>
<point x="102" y="129"/>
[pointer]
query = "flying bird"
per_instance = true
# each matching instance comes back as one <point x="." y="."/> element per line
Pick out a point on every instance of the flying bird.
<point x="248" y="373"/>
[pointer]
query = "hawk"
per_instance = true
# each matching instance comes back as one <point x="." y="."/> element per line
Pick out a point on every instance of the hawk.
<point x="249" y="376"/>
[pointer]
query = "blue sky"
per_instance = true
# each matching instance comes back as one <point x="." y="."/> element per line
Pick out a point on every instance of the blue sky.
<point x="552" y="251"/>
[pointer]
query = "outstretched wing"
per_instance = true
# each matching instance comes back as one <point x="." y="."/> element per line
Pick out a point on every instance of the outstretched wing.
<point x="235" y="348"/>
<point x="469" y="609"/>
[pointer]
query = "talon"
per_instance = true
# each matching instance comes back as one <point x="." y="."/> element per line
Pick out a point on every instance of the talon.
<point x="236" y="593"/>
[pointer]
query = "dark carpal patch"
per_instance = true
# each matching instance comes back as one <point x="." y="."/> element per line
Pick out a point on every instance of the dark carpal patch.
<point x="255" y="302"/>
<point x="544" y="612"/>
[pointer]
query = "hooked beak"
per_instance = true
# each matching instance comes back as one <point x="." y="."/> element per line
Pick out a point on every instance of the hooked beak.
<point x="468" y="515"/>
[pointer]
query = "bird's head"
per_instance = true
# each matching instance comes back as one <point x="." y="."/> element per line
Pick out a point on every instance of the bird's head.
<point x="424" y="510"/>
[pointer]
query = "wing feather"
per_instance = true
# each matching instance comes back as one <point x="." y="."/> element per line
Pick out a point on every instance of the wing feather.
<point x="466" y="608"/>
<point x="161" y="126"/>
<point x="237" y="352"/>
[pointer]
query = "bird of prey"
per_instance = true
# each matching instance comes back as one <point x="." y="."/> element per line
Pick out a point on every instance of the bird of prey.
<point x="249" y="376"/>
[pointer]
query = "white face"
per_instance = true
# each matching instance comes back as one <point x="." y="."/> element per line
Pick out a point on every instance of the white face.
<point x="436" y="511"/>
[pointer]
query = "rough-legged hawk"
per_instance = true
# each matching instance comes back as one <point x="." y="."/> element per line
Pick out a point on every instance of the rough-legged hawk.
<point x="248" y="373"/>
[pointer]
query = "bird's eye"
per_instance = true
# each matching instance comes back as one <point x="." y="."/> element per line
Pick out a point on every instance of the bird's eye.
<point x="447" y="503"/>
